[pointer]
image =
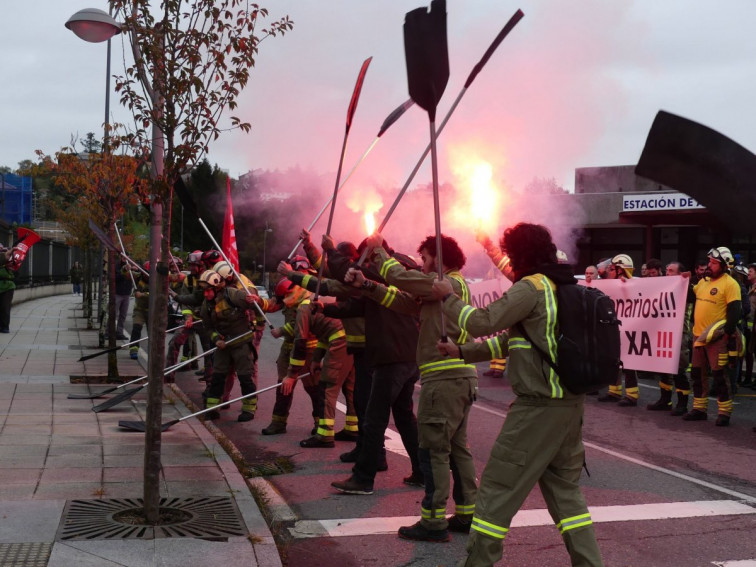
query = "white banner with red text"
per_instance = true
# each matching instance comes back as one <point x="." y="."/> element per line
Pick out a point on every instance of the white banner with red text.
<point x="651" y="310"/>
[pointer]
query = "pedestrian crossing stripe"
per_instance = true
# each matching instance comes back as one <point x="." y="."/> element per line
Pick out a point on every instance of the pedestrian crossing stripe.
<point x="347" y="527"/>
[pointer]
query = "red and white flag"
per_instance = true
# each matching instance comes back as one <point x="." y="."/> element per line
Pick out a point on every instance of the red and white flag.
<point x="229" y="234"/>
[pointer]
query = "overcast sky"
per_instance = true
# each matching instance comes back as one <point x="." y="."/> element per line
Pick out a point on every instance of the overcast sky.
<point x="576" y="84"/>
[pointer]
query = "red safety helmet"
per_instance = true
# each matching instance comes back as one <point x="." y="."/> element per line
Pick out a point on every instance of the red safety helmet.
<point x="195" y="257"/>
<point x="146" y="266"/>
<point x="282" y="287"/>
<point x="211" y="257"/>
<point x="300" y="264"/>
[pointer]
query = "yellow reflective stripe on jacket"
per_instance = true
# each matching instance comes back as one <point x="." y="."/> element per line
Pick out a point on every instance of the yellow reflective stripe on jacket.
<point x="464" y="315"/>
<point x="441" y="365"/>
<point x="355" y="338"/>
<point x="289" y="328"/>
<point x="388" y="299"/>
<point x="387" y="265"/>
<point x="337" y="335"/>
<point x="322" y="345"/>
<point x="503" y="263"/>
<point x="551" y="322"/>
<point x="498" y="532"/>
<point x="296" y="362"/>
<point x="574" y="522"/>
<point x="518" y="343"/>
<point x="305" y="280"/>
<point x="459" y="278"/>
<point x="494" y="347"/>
<point x="312" y="343"/>
<point x="716" y="326"/>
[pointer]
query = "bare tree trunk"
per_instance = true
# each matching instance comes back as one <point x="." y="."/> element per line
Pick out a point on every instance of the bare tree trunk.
<point x="88" y="287"/>
<point x="160" y="237"/>
<point x="112" y="357"/>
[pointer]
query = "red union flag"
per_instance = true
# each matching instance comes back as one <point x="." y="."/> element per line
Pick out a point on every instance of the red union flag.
<point x="229" y="234"/>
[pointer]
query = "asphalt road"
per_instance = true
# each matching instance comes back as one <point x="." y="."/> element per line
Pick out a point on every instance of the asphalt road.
<point x="662" y="492"/>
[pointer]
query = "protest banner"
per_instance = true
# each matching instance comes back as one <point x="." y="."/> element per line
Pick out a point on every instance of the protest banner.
<point x="652" y="312"/>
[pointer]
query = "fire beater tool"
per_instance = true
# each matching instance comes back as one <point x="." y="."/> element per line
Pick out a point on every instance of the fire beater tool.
<point x="350" y="114"/>
<point x="471" y="77"/>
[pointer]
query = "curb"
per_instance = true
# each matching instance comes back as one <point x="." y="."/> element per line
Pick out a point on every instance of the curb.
<point x="264" y="543"/>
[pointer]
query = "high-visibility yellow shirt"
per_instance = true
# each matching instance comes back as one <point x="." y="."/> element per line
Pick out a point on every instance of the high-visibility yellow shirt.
<point x="712" y="297"/>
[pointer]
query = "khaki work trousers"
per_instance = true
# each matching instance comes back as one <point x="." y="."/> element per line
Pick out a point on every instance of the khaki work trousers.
<point x="442" y="411"/>
<point x="338" y="367"/>
<point x="540" y="441"/>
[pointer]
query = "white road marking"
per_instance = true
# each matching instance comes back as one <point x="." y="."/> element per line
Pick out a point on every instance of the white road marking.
<point x="741" y="563"/>
<point x="530" y="518"/>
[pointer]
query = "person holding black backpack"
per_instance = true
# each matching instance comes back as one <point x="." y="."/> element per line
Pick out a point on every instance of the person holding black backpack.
<point x="541" y="439"/>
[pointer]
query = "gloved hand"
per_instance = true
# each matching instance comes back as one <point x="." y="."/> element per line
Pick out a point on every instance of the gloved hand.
<point x="316" y="306"/>
<point x="189" y="322"/>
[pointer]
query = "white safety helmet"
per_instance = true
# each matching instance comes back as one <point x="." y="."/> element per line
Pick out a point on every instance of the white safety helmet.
<point x="561" y="257"/>
<point x="625" y="263"/>
<point x="211" y="278"/>
<point x="224" y="269"/>
<point x="723" y="255"/>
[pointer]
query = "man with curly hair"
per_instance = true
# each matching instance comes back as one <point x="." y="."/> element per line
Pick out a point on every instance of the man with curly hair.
<point x="541" y="439"/>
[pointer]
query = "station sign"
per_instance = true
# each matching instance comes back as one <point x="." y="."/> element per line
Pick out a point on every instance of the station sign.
<point x="654" y="202"/>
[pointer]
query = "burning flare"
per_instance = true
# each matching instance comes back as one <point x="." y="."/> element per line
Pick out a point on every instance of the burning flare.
<point x="369" y="222"/>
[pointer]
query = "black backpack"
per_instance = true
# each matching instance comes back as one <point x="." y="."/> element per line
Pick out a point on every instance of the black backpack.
<point x="588" y="341"/>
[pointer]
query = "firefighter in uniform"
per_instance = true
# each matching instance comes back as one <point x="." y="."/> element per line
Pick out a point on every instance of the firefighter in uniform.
<point x="358" y="380"/>
<point x="678" y="382"/>
<point x="140" y="311"/>
<point x="224" y="314"/>
<point x="717" y="342"/>
<point x="621" y="267"/>
<point x="290" y="296"/>
<point x="497" y="366"/>
<point x="541" y="438"/>
<point x="446" y="395"/>
<point x="330" y="366"/>
<point x="354" y="327"/>
<point x="224" y="270"/>
<point x="190" y="298"/>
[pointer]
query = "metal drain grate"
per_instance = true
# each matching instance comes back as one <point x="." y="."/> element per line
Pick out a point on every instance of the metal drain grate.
<point x="25" y="554"/>
<point x="210" y="518"/>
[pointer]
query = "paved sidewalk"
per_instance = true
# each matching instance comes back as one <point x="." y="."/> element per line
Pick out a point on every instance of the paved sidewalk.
<point x="64" y="469"/>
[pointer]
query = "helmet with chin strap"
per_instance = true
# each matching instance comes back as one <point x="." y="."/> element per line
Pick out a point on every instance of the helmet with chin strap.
<point x="211" y="278"/>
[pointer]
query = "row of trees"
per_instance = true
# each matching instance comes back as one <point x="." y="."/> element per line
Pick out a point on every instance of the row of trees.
<point x="191" y="60"/>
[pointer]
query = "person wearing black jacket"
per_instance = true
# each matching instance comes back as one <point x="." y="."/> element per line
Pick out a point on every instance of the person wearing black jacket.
<point x="390" y="345"/>
<point x="123" y="288"/>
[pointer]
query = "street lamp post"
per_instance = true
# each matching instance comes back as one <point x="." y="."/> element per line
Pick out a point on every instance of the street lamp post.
<point x="96" y="26"/>
<point x="265" y="265"/>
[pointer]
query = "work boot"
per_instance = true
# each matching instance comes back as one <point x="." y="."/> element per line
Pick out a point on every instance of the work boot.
<point x="349" y="457"/>
<point x="663" y="403"/>
<point x="627" y="402"/>
<point x="212" y="415"/>
<point x="459" y="524"/>
<point x="682" y="405"/>
<point x="608" y="398"/>
<point x="418" y="532"/>
<point x="316" y="442"/>
<point x="494" y="373"/>
<point x="415" y="479"/>
<point x="345" y="435"/>
<point x="353" y="486"/>
<point x="245" y="416"/>
<point x="382" y="465"/>
<point x="275" y="428"/>
<point x="695" y="415"/>
<point x="722" y="420"/>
